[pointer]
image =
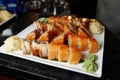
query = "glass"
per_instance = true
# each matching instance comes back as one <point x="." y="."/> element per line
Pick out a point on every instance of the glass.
<point x="33" y="5"/>
<point x="61" y="7"/>
<point x="48" y="7"/>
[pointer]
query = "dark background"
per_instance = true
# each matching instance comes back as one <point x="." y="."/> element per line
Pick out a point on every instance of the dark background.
<point x="83" y="8"/>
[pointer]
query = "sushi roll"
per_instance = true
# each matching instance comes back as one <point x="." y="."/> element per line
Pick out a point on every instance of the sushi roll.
<point x="75" y="55"/>
<point x="40" y="26"/>
<point x="26" y="46"/>
<point x="53" y="32"/>
<point x="93" y="45"/>
<point x="83" y="43"/>
<point x="59" y="19"/>
<point x="44" y="49"/>
<point x="59" y="39"/>
<point x="35" y="47"/>
<point x="81" y="33"/>
<point x="31" y="36"/>
<point x="35" y="34"/>
<point x="40" y="50"/>
<point x="44" y="37"/>
<point x="72" y="40"/>
<point x="43" y="26"/>
<point x="37" y="24"/>
<point x="63" y="53"/>
<point x="66" y="29"/>
<point x="59" y="26"/>
<point x="51" y="19"/>
<point x="52" y="51"/>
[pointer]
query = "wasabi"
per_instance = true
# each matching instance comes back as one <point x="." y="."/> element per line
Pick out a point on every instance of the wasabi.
<point x="92" y="57"/>
<point x="89" y="65"/>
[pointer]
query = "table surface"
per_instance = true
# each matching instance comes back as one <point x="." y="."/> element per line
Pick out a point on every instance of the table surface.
<point x="24" y="69"/>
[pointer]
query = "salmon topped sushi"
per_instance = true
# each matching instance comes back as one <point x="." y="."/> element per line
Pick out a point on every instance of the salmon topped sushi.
<point x="93" y="45"/>
<point x="35" y="34"/>
<point x="52" y="51"/>
<point x="63" y="53"/>
<point x="81" y="33"/>
<point x="82" y="43"/>
<point x="75" y="55"/>
<point x="59" y="39"/>
<point x="44" y="37"/>
<point x="72" y="40"/>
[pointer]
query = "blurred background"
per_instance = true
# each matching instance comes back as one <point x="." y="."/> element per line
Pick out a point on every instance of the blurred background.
<point x="106" y="11"/>
<point x="81" y="8"/>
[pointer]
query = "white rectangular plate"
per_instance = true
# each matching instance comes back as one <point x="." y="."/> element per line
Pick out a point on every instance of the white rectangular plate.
<point x="64" y="65"/>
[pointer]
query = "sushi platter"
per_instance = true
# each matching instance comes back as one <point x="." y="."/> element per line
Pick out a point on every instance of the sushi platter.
<point x="63" y="42"/>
